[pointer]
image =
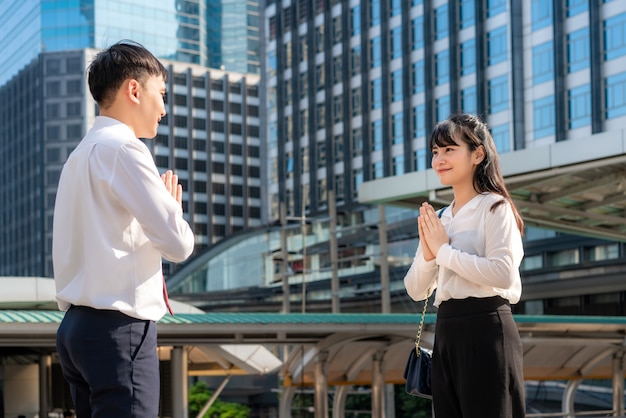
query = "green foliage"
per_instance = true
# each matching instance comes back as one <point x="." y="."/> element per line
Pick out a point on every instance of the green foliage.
<point x="199" y="395"/>
<point x="408" y="406"/>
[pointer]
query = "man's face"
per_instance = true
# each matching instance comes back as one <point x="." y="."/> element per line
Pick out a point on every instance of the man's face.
<point x="151" y="94"/>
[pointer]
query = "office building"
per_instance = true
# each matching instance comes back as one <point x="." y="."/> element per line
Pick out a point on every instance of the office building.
<point x="234" y="35"/>
<point x="352" y="91"/>
<point x="210" y="137"/>
<point x="221" y="34"/>
<point x="355" y="86"/>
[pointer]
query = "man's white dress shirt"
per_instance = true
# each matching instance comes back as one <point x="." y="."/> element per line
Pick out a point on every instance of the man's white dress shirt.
<point x="481" y="260"/>
<point x="114" y="221"/>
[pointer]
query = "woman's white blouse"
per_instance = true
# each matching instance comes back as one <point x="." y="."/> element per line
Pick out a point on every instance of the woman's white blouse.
<point x="481" y="260"/>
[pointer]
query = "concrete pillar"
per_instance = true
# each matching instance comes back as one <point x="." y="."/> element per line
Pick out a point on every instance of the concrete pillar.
<point x="180" y="382"/>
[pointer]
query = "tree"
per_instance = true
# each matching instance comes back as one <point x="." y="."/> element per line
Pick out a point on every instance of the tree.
<point x="199" y="395"/>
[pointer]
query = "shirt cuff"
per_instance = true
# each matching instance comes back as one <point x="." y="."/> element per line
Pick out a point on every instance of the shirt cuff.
<point x="443" y="255"/>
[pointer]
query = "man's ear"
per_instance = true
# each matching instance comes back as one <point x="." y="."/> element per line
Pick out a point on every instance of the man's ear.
<point x="131" y="90"/>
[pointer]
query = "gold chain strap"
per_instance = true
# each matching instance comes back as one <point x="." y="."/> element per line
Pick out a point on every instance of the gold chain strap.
<point x="418" y="337"/>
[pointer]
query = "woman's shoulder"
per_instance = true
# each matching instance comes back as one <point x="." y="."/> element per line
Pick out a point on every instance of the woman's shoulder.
<point x="488" y="200"/>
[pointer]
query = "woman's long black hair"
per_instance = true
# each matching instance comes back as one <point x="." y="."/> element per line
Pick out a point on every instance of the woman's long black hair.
<point x="488" y="175"/>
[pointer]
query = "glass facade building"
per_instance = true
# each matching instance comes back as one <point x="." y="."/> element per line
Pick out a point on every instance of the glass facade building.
<point x="234" y="35"/>
<point x="206" y="32"/>
<point x="210" y="137"/>
<point x="353" y="87"/>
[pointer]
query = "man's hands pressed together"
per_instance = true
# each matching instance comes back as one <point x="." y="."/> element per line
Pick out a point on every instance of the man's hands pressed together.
<point x="171" y="184"/>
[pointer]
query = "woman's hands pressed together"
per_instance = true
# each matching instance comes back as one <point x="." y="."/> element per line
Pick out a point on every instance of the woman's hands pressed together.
<point x="432" y="234"/>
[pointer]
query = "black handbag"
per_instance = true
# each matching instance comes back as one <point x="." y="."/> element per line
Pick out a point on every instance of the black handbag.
<point x="417" y="373"/>
<point x="417" y="370"/>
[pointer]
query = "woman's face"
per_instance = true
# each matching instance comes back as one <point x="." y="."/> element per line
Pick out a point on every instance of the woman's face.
<point x="455" y="164"/>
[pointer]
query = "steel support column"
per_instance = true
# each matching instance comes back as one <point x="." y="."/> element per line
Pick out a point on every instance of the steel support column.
<point x="321" y="386"/>
<point x="45" y="367"/>
<point x="618" y="384"/>
<point x="179" y="361"/>
<point x="569" y="394"/>
<point x="339" y="401"/>
<point x="378" y="386"/>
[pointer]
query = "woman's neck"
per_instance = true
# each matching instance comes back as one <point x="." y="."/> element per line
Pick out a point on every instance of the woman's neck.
<point x="462" y="196"/>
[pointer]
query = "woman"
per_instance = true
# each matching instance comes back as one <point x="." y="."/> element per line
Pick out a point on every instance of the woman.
<point x="471" y="255"/>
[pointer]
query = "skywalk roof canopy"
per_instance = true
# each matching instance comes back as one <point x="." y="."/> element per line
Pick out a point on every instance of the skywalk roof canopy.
<point x="576" y="186"/>
<point x="555" y="347"/>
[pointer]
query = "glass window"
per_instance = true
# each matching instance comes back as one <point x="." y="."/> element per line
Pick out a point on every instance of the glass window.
<point x="355" y="58"/>
<point x="375" y="12"/>
<point x="419" y="120"/>
<point x="467" y="10"/>
<point x="498" y="94"/>
<point x="468" y="100"/>
<point x="532" y="262"/>
<point x="616" y="96"/>
<point x="377" y="135"/>
<point x="602" y="252"/>
<point x="397" y="133"/>
<point x="396" y="43"/>
<point x="543" y="63"/>
<point x="377" y="170"/>
<point x="377" y="94"/>
<point x="441" y="22"/>
<point x="543" y="117"/>
<point x="356" y="101"/>
<point x="541" y="13"/>
<point x="497" y="45"/>
<point x="398" y="165"/>
<point x="580" y="106"/>
<point x="443" y="107"/>
<point x="396" y="7"/>
<point x="396" y="85"/>
<point x="564" y="258"/>
<point x="442" y="67"/>
<point x="420" y="159"/>
<point x="501" y="137"/>
<point x="575" y="7"/>
<point x="495" y="7"/>
<point x="418" y="77"/>
<point x="578" y="50"/>
<point x="355" y="18"/>
<point x="615" y="37"/>
<point x="357" y="142"/>
<point x="357" y="179"/>
<point x="417" y="27"/>
<point x="468" y="57"/>
<point x="375" y="52"/>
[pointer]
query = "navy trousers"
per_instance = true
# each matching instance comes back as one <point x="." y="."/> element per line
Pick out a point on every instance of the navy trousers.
<point x="477" y="363"/>
<point x="110" y="362"/>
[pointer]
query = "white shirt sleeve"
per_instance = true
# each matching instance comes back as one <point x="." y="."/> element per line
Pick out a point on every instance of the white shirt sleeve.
<point x="139" y="189"/>
<point x="421" y="279"/>
<point x="498" y="267"/>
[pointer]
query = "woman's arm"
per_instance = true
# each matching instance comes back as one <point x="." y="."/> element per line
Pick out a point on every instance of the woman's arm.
<point x="499" y="267"/>
<point x="421" y="279"/>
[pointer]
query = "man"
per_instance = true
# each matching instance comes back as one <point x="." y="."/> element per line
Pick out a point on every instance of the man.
<point x="115" y="219"/>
